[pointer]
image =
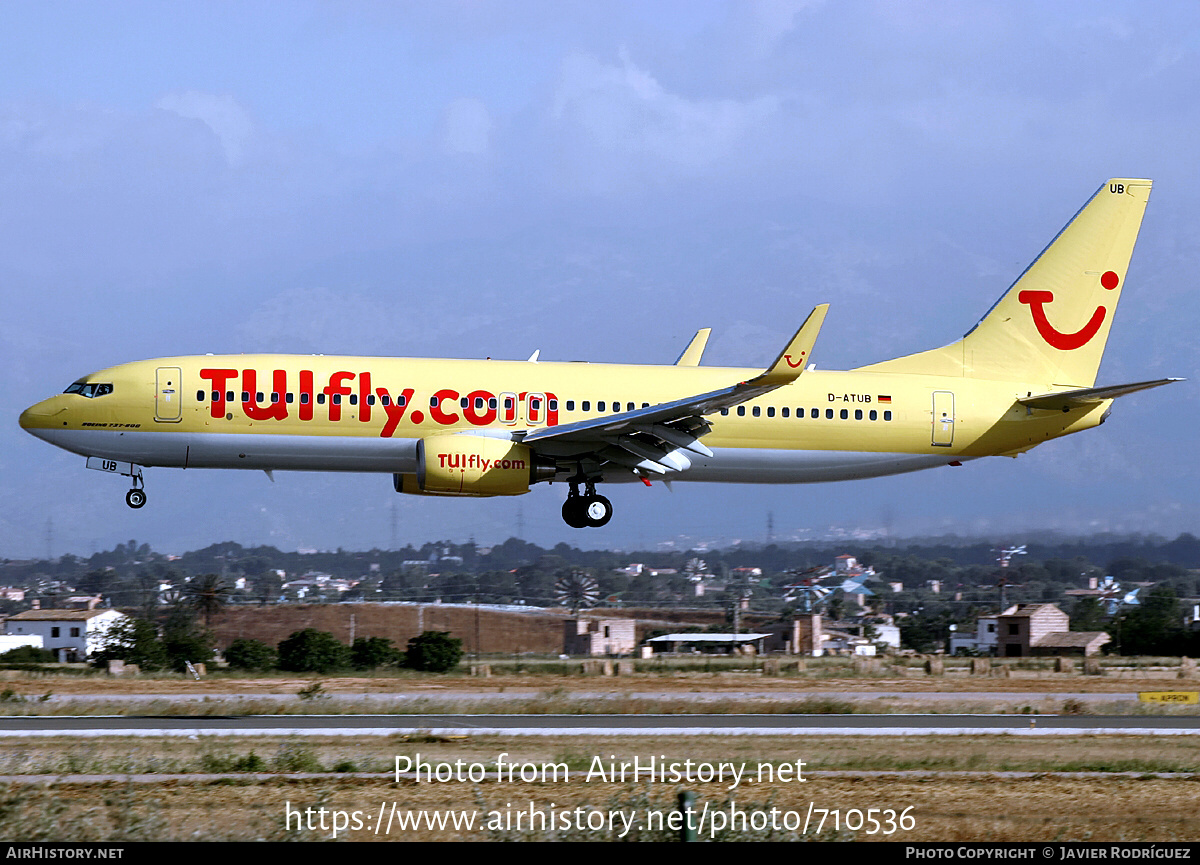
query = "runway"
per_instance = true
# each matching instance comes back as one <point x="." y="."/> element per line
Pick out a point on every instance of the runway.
<point x="29" y="726"/>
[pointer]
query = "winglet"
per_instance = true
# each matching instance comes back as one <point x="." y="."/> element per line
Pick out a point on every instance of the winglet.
<point x="795" y="356"/>
<point x="695" y="349"/>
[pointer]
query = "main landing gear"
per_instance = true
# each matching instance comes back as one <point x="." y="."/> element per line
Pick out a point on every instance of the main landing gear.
<point x="590" y="510"/>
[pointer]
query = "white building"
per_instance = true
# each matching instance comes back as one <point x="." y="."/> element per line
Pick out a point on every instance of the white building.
<point x="70" y="634"/>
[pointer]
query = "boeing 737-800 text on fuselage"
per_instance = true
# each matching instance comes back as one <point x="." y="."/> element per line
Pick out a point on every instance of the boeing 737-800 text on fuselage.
<point x="1022" y="376"/>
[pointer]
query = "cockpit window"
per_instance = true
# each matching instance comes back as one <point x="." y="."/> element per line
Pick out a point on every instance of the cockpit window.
<point x="89" y="389"/>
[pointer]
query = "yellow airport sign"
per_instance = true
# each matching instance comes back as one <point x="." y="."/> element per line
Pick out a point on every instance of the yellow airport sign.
<point x="1169" y="696"/>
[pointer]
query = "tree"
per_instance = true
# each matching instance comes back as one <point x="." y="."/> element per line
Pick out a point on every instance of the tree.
<point x="184" y="640"/>
<point x="244" y="654"/>
<point x="207" y="595"/>
<point x="312" y="651"/>
<point x="1155" y="627"/>
<point x="433" y="652"/>
<point x="134" y="641"/>
<point x="1087" y="615"/>
<point x="28" y="655"/>
<point x="367" y="653"/>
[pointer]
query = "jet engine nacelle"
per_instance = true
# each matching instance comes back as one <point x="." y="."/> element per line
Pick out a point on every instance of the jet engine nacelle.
<point x="470" y="465"/>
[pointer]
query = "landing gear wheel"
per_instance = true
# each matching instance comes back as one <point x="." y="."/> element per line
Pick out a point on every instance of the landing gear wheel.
<point x="597" y="511"/>
<point x="573" y="512"/>
<point x="135" y="498"/>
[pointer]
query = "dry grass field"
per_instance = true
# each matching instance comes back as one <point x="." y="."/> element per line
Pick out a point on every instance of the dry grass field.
<point x="919" y="788"/>
<point x="958" y="794"/>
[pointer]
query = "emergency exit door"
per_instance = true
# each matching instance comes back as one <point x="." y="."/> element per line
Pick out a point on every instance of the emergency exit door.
<point x="943" y="418"/>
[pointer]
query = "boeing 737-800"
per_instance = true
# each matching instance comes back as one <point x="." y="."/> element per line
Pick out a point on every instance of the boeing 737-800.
<point x="1023" y="375"/>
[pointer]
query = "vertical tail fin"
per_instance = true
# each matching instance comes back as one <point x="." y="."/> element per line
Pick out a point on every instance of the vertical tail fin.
<point x="1052" y="323"/>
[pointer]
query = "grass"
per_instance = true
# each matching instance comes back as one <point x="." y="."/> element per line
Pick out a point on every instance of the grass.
<point x="286" y="755"/>
<point x="950" y="807"/>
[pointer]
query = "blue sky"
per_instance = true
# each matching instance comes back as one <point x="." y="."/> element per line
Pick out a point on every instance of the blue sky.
<point x="596" y="181"/>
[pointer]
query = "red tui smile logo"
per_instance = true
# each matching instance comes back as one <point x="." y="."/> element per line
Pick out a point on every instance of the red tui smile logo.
<point x="1037" y="301"/>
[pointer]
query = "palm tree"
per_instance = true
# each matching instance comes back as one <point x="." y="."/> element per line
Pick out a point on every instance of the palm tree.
<point x="207" y="595"/>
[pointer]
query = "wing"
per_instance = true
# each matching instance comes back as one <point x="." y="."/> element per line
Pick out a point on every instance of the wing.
<point x="655" y="439"/>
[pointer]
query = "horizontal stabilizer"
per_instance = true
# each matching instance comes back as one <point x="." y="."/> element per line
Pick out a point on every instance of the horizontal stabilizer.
<point x="1087" y="396"/>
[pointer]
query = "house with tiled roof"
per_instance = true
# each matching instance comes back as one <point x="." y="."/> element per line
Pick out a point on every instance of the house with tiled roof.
<point x="71" y="634"/>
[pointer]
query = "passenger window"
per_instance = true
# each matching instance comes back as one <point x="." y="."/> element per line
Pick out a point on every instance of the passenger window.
<point x="258" y="396"/>
<point x="320" y="399"/>
<point x="741" y="411"/>
<point x="353" y="399"/>
<point x="858" y="414"/>
<point x="304" y="399"/>
<point x="770" y="411"/>
<point x="757" y="411"/>
<point x="887" y="415"/>
<point x="725" y="412"/>
<point x="600" y="405"/>
<point x="630" y="406"/>
<point x="845" y="414"/>
<point x="245" y="396"/>
<point x="587" y="405"/>
<point x="274" y="397"/>
<point x="385" y="399"/>
<point x="199" y="396"/>
<point x="829" y="414"/>
<point x="799" y="412"/>
<point x="570" y="405"/>
<point x="552" y="405"/>
<point x="783" y="411"/>
<point x="874" y="415"/>
<point x="289" y="398"/>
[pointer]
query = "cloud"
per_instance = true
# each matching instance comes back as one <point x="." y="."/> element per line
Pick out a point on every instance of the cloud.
<point x="619" y="123"/>
<point x="222" y="114"/>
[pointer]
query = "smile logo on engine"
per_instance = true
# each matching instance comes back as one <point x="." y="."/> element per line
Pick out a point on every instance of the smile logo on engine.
<point x="1037" y="300"/>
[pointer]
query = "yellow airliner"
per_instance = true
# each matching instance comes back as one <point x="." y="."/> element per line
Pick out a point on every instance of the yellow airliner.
<point x="1023" y="375"/>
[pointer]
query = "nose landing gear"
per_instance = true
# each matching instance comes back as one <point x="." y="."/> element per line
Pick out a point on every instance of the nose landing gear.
<point x="590" y="510"/>
<point x="136" y="497"/>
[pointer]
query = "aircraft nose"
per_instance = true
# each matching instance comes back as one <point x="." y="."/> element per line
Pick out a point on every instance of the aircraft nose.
<point x="40" y="415"/>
